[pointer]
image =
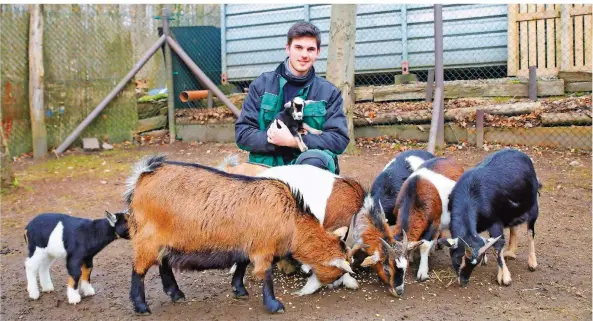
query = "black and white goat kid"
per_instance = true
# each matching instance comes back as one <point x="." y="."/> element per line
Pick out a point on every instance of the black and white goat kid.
<point x="50" y="236"/>
<point x="292" y="117"/>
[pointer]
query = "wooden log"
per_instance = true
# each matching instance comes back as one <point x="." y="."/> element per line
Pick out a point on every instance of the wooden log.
<point x="424" y="116"/>
<point x="554" y="119"/>
<point x="578" y="86"/>
<point x="554" y="87"/>
<point x="151" y="123"/>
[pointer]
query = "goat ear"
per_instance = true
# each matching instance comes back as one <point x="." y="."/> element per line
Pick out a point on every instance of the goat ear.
<point x="489" y="244"/>
<point x="341" y="232"/>
<point x="287" y="104"/>
<point x="341" y="264"/>
<point x="112" y="219"/>
<point x="308" y="102"/>
<point x="370" y="260"/>
<point x="413" y="245"/>
<point x="448" y="242"/>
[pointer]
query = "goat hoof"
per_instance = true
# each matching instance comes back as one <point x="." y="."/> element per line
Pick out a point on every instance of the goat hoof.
<point x="274" y="306"/>
<point x="532" y="268"/>
<point x="34" y="295"/>
<point x="422" y="278"/>
<point x="510" y="255"/>
<point x="142" y="309"/>
<point x="48" y="288"/>
<point x="240" y="293"/>
<point x="176" y="295"/>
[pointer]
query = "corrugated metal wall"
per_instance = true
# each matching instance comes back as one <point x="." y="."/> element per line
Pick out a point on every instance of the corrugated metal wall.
<point x="254" y="36"/>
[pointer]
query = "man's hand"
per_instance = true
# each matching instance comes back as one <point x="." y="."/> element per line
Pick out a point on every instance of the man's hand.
<point x="281" y="136"/>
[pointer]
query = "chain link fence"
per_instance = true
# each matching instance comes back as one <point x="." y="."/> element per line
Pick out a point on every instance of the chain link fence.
<point x="488" y="49"/>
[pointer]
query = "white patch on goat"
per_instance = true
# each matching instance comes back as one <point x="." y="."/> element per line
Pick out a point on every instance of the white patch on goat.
<point x="40" y="261"/>
<point x="444" y="186"/>
<point x="86" y="288"/>
<point x="389" y="164"/>
<point x="347" y="280"/>
<point x="230" y="161"/>
<point x="233" y="269"/>
<point x="415" y="162"/>
<point x="401" y="262"/>
<point x="314" y="184"/>
<point x="310" y="287"/>
<point x="306" y="268"/>
<point x="73" y="296"/>
<point x="423" y="267"/>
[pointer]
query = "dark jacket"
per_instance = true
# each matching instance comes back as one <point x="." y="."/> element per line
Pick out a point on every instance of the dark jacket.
<point x="265" y="100"/>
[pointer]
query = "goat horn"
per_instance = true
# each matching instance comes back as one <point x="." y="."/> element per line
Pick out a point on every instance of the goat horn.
<point x="390" y="249"/>
<point x="343" y="265"/>
<point x="405" y="238"/>
<point x="488" y="245"/>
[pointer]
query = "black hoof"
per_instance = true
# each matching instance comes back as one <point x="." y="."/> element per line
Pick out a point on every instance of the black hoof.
<point x="141" y="309"/>
<point x="176" y="295"/>
<point x="240" y="293"/>
<point x="274" y="306"/>
<point x="532" y="269"/>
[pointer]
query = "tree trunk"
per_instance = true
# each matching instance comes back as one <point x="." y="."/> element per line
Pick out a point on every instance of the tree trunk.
<point x="6" y="173"/>
<point x="36" y="72"/>
<point x="340" y="60"/>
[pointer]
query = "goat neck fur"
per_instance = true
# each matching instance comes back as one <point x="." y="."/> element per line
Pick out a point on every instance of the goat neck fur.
<point x="205" y="210"/>
<point x="388" y="183"/>
<point x="423" y="199"/>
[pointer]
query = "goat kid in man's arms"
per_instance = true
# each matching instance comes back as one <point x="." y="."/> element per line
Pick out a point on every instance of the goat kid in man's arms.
<point x="292" y="117"/>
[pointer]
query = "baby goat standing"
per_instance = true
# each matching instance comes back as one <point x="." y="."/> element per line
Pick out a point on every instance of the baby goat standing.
<point x="50" y="236"/>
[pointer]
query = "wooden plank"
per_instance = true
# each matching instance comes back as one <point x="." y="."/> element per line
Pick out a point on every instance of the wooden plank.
<point x="556" y="137"/>
<point x="530" y="16"/>
<point x="569" y="76"/>
<point x="572" y="118"/>
<point x="524" y="42"/>
<point x="580" y="10"/>
<point x="566" y="36"/>
<point x="531" y="27"/>
<point x="151" y="123"/>
<point x="551" y="44"/>
<point x="400" y="92"/>
<point x="558" y="36"/>
<point x="479" y="128"/>
<point x="578" y="41"/>
<point x="512" y="40"/>
<point x="573" y="87"/>
<point x="364" y="93"/>
<point x="541" y="38"/>
<point x="588" y="38"/>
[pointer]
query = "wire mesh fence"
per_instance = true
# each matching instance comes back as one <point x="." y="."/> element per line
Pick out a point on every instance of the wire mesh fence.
<point x="488" y="49"/>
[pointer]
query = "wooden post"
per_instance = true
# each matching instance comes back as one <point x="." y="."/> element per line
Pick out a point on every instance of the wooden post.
<point x="210" y="99"/>
<point x="532" y="83"/>
<point x="480" y="128"/>
<point x="36" y="106"/>
<point x="340" y="59"/>
<point x="6" y="173"/>
<point x="429" y="85"/>
<point x="565" y="38"/>
<point x="513" y="40"/>
<point x="169" y="70"/>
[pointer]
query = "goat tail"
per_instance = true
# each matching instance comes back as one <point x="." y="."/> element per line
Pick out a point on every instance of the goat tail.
<point x="148" y="164"/>
<point x="229" y="161"/>
<point x="26" y="238"/>
<point x="539" y="186"/>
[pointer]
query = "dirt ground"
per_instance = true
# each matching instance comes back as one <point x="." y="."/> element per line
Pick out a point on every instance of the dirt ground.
<point x="87" y="184"/>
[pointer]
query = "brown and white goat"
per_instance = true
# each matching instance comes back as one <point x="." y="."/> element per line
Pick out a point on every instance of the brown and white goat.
<point x="334" y="200"/>
<point x="190" y="216"/>
<point x="421" y="207"/>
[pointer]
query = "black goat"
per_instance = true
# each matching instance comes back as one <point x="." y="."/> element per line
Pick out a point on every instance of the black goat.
<point x="499" y="192"/>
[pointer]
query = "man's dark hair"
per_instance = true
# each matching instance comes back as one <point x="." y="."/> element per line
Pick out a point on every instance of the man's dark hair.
<point x="304" y="29"/>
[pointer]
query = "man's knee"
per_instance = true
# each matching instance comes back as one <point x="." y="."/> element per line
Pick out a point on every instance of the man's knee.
<point x="318" y="159"/>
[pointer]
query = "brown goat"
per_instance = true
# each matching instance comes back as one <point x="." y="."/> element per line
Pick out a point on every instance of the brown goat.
<point x="190" y="216"/>
<point x="421" y="206"/>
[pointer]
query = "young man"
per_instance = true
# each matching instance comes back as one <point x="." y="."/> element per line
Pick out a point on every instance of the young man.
<point x="268" y="93"/>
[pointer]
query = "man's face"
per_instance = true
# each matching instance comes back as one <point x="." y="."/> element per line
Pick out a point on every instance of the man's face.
<point x="302" y="53"/>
